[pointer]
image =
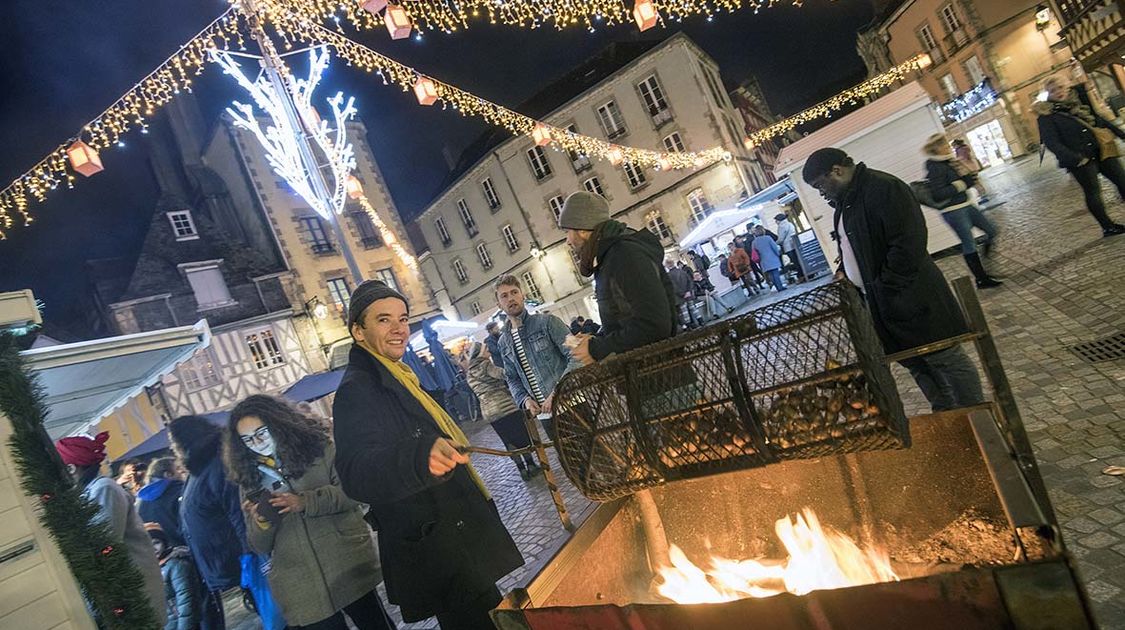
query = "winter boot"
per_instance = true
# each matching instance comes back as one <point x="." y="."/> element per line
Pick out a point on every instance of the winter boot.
<point x="984" y="281"/>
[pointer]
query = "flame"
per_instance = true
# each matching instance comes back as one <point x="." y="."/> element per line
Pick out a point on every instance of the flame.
<point x="818" y="559"/>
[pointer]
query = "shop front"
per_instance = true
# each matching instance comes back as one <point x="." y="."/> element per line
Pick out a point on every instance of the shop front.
<point x="980" y="118"/>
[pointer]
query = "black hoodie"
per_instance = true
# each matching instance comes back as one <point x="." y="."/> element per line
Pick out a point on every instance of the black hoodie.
<point x="634" y="293"/>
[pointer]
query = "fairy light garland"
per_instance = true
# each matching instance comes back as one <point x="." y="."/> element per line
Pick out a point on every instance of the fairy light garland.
<point x="128" y="112"/>
<point x="850" y="96"/>
<point x="387" y="234"/>
<point x="292" y="27"/>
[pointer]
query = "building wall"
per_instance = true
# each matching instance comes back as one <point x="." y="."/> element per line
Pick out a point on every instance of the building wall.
<point x="703" y="117"/>
<point x="312" y="270"/>
<point x="132" y="423"/>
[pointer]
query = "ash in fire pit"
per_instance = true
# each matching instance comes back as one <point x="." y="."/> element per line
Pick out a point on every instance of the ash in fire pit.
<point x="972" y="539"/>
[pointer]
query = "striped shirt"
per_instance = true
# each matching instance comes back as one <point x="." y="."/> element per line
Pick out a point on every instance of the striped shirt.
<point x="532" y="380"/>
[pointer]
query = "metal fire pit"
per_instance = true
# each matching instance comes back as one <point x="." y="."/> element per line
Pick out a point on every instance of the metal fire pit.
<point x="959" y="464"/>
<point x="804" y="377"/>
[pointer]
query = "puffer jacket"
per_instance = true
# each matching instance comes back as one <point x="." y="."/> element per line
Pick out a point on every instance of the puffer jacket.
<point x="489" y="385"/>
<point x="181" y="589"/>
<point x="947" y="185"/>
<point x="159" y="502"/>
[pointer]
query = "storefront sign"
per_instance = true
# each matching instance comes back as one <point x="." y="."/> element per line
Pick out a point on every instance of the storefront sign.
<point x="970" y="103"/>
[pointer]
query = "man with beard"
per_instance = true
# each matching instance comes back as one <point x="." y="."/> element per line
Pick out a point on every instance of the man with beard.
<point x="634" y="293"/>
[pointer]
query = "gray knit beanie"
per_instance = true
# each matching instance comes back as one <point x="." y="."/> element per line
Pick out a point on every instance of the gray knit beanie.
<point x="367" y="292"/>
<point x="583" y="211"/>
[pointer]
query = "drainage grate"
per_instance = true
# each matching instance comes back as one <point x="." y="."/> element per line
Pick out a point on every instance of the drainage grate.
<point x="1108" y="348"/>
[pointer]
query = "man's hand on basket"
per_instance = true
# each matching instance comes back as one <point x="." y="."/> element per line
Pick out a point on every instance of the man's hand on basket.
<point x="546" y="407"/>
<point x="532" y="406"/>
<point x="582" y="350"/>
<point x="444" y="457"/>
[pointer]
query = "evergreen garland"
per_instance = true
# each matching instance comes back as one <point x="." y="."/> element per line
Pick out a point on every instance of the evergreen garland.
<point x="113" y="587"/>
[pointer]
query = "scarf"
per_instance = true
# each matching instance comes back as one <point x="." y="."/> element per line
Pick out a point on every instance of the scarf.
<point x="408" y="379"/>
<point x="1074" y="107"/>
<point x="588" y="253"/>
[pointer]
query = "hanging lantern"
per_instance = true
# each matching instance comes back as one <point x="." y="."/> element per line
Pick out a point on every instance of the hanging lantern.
<point x="644" y="12"/>
<point x="748" y="143"/>
<point x="664" y="163"/>
<point x="398" y="22"/>
<point x="354" y="187"/>
<point x="425" y="90"/>
<point x="541" y="134"/>
<point x="374" y="6"/>
<point x="84" y="158"/>
<point x="699" y="162"/>
<point x="616" y="156"/>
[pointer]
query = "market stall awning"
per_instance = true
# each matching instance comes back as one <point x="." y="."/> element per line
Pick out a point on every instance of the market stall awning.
<point x="717" y="223"/>
<point x="314" y="386"/>
<point x="85" y="381"/>
<point x="776" y="193"/>
<point x="159" y="441"/>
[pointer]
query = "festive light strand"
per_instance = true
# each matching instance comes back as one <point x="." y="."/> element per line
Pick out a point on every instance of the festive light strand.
<point x="850" y="96"/>
<point x="290" y="26"/>
<point x="449" y="17"/>
<point x="387" y="234"/>
<point x="128" y="112"/>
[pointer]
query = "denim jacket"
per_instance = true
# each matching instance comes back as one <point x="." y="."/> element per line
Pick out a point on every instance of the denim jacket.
<point x="543" y="336"/>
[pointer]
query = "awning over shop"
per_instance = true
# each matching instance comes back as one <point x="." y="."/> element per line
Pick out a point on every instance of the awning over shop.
<point x="159" y="441"/>
<point x="85" y="381"/>
<point x="779" y="192"/>
<point x="314" y="386"/>
<point x="717" y="223"/>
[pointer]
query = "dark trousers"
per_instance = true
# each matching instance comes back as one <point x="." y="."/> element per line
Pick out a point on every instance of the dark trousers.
<point x="947" y="378"/>
<point x="473" y="615"/>
<point x="211" y="615"/>
<point x="1087" y="178"/>
<point x="366" y="613"/>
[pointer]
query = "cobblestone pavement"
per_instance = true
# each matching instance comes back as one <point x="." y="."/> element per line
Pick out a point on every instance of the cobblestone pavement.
<point x="1063" y="286"/>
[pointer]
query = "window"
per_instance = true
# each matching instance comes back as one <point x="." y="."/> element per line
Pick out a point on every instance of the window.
<point x="474" y="308"/>
<point x="577" y="160"/>
<point x="442" y="231"/>
<point x="656" y="225"/>
<point x="484" y="256"/>
<point x="655" y="103"/>
<point x="460" y="271"/>
<point x="368" y="236"/>
<point x="318" y="238"/>
<point x="264" y="349"/>
<point x="674" y="143"/>
<point x="182" y="225"/>
<point x="594" y="185"/>
<point x="387" y="277"/>
<point x="556" y="204"/>
<point x="467" y="218"/>
<point x="510" y="238"/>
<point x="199" y="372"/>
<point x="208" y="285"/>
<point x="490" y="196"/>
<point x="949" y="18"/>
<point x="974" y="70"/>
<point x="340" y="293"/>
<point x="700" y="207"/>
<point x="635" y="175"/>
<point x="530" y="288"/>
<point x="540" y="167"/>
<point x="712" y="84"/>
<point x="949" y="84"/>
<point x="610" y="118"/>
<point x="929" y="43"/>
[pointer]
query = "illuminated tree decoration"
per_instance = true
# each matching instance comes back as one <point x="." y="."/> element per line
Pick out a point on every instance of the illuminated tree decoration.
<point x="279" y="137"/>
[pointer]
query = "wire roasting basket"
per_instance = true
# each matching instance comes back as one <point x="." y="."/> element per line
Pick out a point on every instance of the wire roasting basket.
<point x="801" y="378"/>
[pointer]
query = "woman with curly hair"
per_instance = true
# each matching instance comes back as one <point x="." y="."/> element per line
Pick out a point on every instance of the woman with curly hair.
<point x="323" y="561"/>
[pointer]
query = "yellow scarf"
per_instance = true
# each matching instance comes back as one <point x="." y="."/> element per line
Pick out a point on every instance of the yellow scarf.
<point x="406" y="376"/>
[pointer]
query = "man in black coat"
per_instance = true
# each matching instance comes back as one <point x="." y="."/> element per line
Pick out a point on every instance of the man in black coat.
<point x="881" y="233"/>
<point x="634" y="293"/>
<point x="441" y="541"/>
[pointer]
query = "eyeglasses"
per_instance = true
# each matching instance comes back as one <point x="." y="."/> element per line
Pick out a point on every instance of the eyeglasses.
<point x="261" y="435"/>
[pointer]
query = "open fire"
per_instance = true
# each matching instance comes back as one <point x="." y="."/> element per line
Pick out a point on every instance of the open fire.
<point x="819" y="558"/>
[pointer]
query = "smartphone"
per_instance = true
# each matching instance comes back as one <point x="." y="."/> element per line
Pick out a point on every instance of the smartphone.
<point x="265" y="509"/>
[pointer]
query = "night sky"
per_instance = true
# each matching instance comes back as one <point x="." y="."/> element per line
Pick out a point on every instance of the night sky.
<point x="66" y="61"/>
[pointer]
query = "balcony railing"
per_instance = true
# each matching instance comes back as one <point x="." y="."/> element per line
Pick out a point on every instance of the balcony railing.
<point x="660" y="116"/>
<point x="322" y="247"/>
<point x="580" y="163"/>
<point x="955" y="41"/>
<point x="371" y="242"/>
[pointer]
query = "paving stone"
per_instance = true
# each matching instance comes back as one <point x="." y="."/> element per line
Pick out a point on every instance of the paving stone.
<point x="1107" y="516"/>
<point x="1098" y="540"/>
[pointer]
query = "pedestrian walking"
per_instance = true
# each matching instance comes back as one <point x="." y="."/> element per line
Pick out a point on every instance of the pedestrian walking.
<point x="972" y="166"/>
<point x="634" y="293"/>
<point x="744" y="242"/>
<point x="699" y="262"/>
<point x="738" y="264"/>
<point x="181" y="581"/>
<point x="498" y="407"/>
<point x="492" y="340"/>
<point x="769" y="256"/>
<point x="210" y="514"/>
<point x="787" y="241"/>
<point x="683" y="294"/>
<point x="705" y="290"/>
<point x="881" y="233"/>
<point x="85" y="461"/>
<point x="159" y="500"/>
<point x="441" y="541"/>
<point x="322" y="557"/>
<point x="1084" y="144"/>
<point x="950" y="187"/>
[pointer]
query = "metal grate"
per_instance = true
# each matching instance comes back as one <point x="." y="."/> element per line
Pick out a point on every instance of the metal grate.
<point x="801" y="378"/>
<point x="1111" y="348"/>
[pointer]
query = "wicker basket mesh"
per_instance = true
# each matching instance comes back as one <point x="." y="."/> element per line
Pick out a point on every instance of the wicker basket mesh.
<point x="804" y="377"/>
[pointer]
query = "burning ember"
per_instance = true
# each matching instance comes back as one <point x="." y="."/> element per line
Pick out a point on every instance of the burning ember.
<point x="818" y="559"/>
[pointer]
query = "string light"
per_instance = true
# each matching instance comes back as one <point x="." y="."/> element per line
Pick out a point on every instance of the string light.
<point x="468" y="104"/>
<point x="387" y="234"/>
<point x="850" y="96"/>
<point x="128" y="112"/>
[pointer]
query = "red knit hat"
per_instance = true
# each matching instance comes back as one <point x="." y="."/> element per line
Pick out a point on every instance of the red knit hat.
<point x="81" y="450"/>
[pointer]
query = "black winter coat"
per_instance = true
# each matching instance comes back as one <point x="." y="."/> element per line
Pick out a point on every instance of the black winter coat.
<point x="634" y="293"/>
<point x="441" y="541"/>
<point x="909" y="299"/>
<point x="1068" y="138"/>
<point x="680" y="278"/>
<point x="212" y="523"/>
<point x="946" y="185"/>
